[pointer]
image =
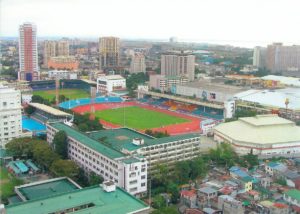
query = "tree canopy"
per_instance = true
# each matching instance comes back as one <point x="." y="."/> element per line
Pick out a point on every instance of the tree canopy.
<point x="60" y="144"/>
<point x="61" y="168"/>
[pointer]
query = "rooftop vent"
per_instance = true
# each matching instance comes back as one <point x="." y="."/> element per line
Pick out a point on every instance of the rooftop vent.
<point x="138" y="141"/>
<point x="109" y="186"/>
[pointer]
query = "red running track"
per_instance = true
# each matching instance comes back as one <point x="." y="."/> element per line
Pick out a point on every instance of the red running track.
<point x="188" y="127"/>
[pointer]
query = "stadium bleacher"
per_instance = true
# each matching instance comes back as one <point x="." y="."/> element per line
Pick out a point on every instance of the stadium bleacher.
<point x="199" y="111"/>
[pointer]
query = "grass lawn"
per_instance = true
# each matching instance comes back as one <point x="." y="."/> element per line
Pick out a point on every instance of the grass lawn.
<point x="138" y="118"/>
<point x="69" y="93"/>
<point x="7" y="183"/>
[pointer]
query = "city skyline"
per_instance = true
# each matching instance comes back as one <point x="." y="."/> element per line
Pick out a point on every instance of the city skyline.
<point x="242" y="24"/>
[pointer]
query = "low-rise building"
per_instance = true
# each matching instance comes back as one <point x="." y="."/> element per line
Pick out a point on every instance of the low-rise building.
<point x="230" y="205"/>
<point x="69" y="198"/>
<point x="110" y="83"/>
<point x="63" y="62"/>
<point x="292" y="197"/>
<point x="61" y="74"/>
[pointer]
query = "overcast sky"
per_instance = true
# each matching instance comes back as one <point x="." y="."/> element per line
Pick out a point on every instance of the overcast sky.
<point x="247" y="22"/>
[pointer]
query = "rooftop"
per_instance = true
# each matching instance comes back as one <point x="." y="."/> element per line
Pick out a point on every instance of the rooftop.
<point x="213" y="86"/>
<point x="86" y="140"/>
<point x="49" y="109"/>
<point x="112" y="77"/>
<point x="46" y="188"/>
<point x="293" y="193"/>
<point x="262" y="129"/>
<point x="111" y="142"/>
<point x="122" y="138"/>
<point x="273" y="98"/>
<point x="97" y="200"/>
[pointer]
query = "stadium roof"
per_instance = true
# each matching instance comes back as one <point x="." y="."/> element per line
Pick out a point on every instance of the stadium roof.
<point x="46" y="188"/>
<point x="291" y="81"/>
<point x="261" y="129"/>
<point x="273" y="98"/>
<point x="213" y="86"/>
<point x="86" y="140"/>
<point x="49" y="109"/>
<point x="98" y="200"/>
<point x="122" y="138"/>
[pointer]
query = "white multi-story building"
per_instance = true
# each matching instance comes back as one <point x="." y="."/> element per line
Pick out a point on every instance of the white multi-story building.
<point x="164" y="83"/>
<point x="178" y="64"/>
<point x="137" y="64"/>
<point x="62" y="74"/>
<point x="28" y="54"/>
<point x="10" y="114"/>
<point x="110" y="83"/>
<point x="126" y="156"/>
<point x="259" y="57"/>
<point x="128" y="172"/>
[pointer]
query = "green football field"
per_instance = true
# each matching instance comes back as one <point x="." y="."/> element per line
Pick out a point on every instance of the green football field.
<point x="138" y="118"/>
<point x="69" y="93"/>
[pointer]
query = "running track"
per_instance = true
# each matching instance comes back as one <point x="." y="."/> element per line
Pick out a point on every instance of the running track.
<point x="175" y="129"/>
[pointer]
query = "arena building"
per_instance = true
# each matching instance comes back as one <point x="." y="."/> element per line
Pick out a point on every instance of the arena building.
<point x="264" y="135"/>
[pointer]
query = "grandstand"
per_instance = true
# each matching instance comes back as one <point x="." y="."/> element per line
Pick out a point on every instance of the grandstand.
<point x="87" y="101"/>
<point x="202" y="109"/>
<point x="44" y="113"/>
<point x="192" y="109"/>
<point x="50" y="85"/>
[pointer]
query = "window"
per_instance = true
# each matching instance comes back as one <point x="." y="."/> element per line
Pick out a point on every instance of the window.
<point x="143" y="184"/>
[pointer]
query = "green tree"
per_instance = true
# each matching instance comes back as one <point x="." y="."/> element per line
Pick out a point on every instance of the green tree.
<point x="44" y="155"/>
<point x="198" y="167"/>
<point x="158" y="202"/>
<point x="64" y="168"/>
<point x="173" y="189"/>
<point x="182" y="171"/>
<point x="20" y="147"/>
<point x="83" y="127"/>
<point x="29" y="110"/>
<point x="165" y="210"/>
<point x="95" y="179"/>
<point x="60" y="144"/>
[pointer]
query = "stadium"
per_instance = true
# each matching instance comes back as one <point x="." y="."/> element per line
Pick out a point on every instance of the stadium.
<point x="147" y="113"/>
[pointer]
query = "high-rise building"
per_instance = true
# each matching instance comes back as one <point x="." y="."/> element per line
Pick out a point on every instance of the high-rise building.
<point x="178" y="64"/>
<point x="109" y="50"/>
<point x="259" y="57"/>
<point x="28" y="55"/>
<point x="10" y="114"/>
<point x="283" y="59"/>
<point x="138" y="63"/>
<point x="49" y="51"/>
<point x="62" y="48"/>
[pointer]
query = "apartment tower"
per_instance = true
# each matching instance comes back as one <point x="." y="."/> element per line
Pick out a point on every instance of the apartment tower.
<point x="28" y="55"/>
<point x="109" y="50"/>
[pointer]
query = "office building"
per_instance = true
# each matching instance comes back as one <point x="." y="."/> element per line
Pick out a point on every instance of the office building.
<point x="49" y="51"/>
<point x="137" y="64"/>
<point x="10" y="114"/>
<point x="178" y="64"/>
<point x="107" y="84"/>
<point x="259" y="57"/>
<point x="28" y="55"/>
<point x="263" y="135"/>
<point x="109" y="50"/>
<point x="283" y="59"/>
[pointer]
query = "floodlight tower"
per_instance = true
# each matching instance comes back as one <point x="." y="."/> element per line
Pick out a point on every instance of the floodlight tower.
<point x="93" y="97"/>
<point x="57" y="90"/>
